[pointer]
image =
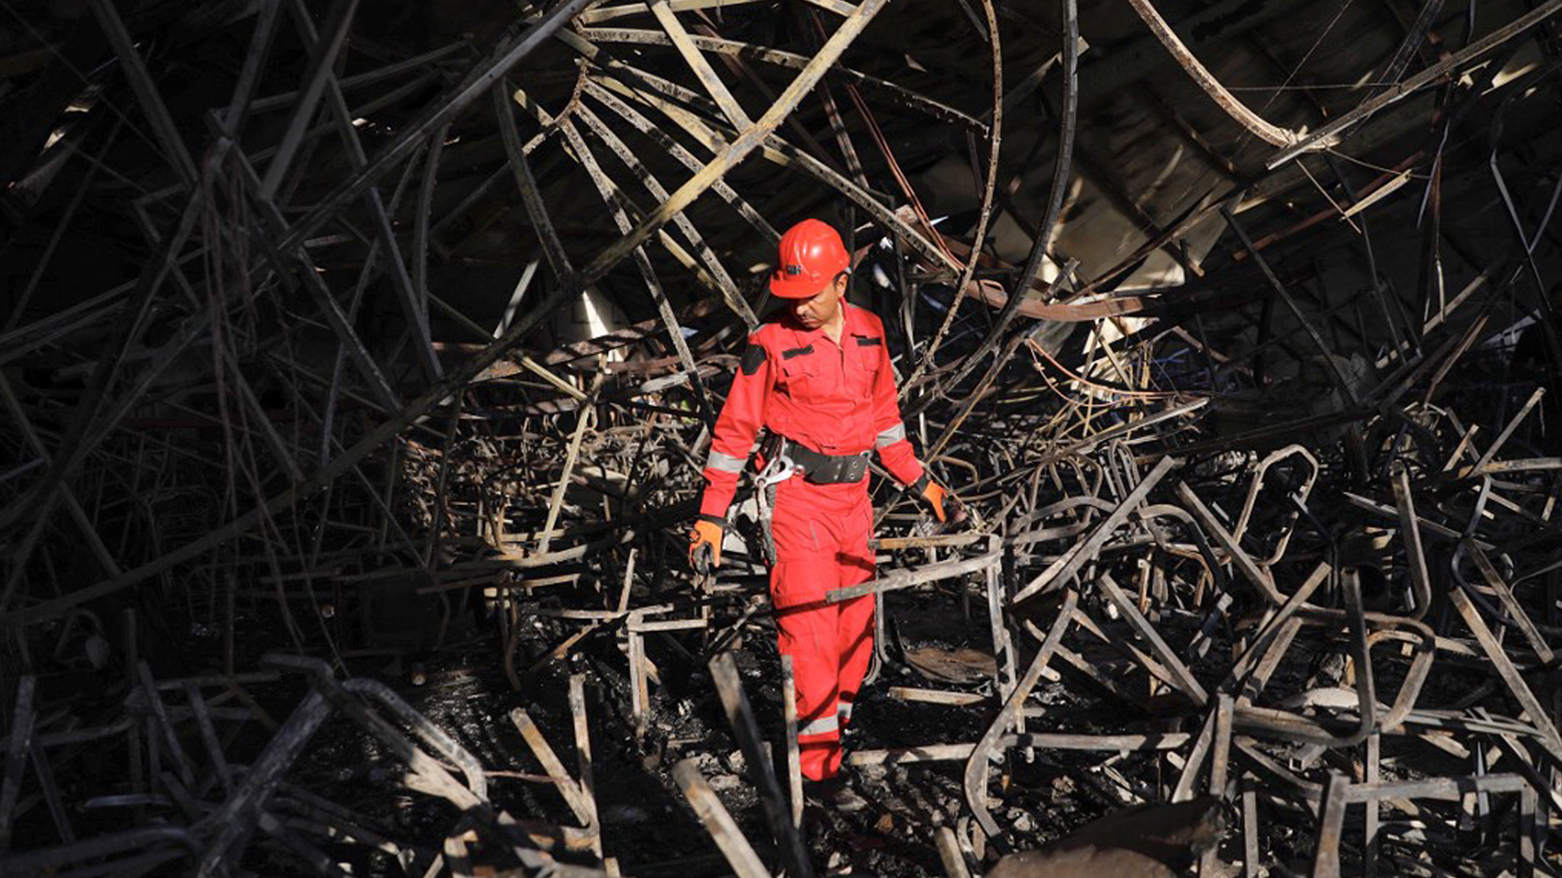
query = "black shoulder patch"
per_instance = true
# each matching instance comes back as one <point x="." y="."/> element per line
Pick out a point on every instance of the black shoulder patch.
<point x="753" y="358"/>
<point x="789" y="353"/>
<point x="869" y="342"/>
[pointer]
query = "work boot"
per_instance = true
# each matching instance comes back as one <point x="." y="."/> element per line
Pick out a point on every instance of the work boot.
<point x="835" y="794"/>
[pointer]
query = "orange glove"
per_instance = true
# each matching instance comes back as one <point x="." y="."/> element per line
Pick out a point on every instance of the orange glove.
<point x="707" y="532"/>
<point x="934" y="493"/>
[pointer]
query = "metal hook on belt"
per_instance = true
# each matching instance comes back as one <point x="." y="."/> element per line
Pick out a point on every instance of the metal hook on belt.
<point x="778" y="469"/>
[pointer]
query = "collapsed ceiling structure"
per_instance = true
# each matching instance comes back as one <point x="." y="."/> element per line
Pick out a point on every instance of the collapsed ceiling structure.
<point x="359" y="361"/>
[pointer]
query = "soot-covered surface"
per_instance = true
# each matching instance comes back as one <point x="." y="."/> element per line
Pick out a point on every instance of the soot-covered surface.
<point x="646" y="823"/>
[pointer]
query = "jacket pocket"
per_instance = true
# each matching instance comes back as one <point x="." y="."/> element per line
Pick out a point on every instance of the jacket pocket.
<point x="862" y="367"/>
<point x="801" y="377"/>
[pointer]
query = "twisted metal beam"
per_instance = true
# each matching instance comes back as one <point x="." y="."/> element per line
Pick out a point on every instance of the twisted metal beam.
<point x="1234" y="108"/>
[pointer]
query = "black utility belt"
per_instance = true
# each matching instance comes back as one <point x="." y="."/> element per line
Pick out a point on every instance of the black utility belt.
<point x="826" y="469"/>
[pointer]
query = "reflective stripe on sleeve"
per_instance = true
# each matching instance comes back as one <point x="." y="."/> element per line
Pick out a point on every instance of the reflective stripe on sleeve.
<point x="724" y="462"/>
<point x="889" y="437"/>
<point x="824" y="725"/>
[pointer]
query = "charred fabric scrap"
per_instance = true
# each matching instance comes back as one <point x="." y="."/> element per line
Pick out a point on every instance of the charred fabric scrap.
<point x="359" y="361"/>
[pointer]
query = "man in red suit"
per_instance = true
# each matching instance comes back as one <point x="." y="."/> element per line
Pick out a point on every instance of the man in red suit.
<point x="819" y="378"/>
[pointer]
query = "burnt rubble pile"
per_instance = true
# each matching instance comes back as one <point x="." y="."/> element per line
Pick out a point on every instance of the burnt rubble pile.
<point x="1145" y="620"/>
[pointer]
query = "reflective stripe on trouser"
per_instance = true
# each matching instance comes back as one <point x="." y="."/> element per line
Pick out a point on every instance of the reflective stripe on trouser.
<point x="830" y="644"/>
<point x="830" y="647"/>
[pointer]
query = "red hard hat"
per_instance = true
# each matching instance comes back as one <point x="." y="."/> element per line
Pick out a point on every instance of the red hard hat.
<point x="810" y="256"/>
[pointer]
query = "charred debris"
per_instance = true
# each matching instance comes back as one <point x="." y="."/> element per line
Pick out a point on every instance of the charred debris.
<point x="358" y="361"/>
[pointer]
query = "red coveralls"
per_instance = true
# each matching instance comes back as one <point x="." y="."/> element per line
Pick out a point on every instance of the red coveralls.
<point x="838" y="400"/>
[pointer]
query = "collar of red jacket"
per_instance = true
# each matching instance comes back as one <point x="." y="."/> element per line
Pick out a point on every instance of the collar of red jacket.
<point x="856" y="324"/>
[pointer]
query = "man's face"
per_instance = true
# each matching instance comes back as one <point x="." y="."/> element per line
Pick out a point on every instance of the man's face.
<point x="821" y="308"/>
